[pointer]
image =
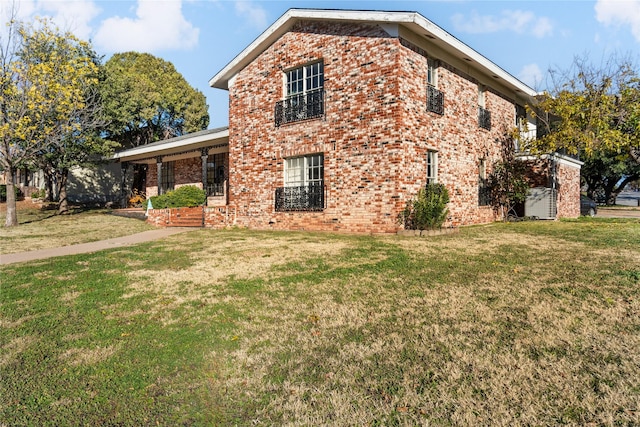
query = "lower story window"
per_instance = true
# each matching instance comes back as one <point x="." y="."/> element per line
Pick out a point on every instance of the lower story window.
<point x="168" y="178"/>
<point x="484" y="191"/>
<point x="216" y="175"/>
<point x="432" y="167"/>
<point x="303" y="184"/>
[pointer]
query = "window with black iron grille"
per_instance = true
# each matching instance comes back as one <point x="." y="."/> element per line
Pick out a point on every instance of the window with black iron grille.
<point x="304" y="91"/>
<point x="303" y="185"/>
<point x="168" y="180"/>
<point x="484" y="190"/>
<point x="216" y="174"/>
<point x="484" y="115"/>
<point x="484" y="118"/>
<point x="435" y="100"/>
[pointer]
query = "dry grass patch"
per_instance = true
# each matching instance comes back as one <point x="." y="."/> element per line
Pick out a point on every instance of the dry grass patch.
<point x="87" y="356"/>
<point x="44" y="230"/>
<point x="13" y="348"/>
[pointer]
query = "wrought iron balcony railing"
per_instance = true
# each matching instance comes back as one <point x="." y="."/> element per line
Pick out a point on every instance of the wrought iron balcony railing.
<point x="435" y="100"/>
<point x="303" y="106"/>
<point x="484" y="118"/>
<point x="303" y="198"/>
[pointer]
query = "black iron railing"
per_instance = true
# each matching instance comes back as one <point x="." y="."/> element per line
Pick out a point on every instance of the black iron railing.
<point x="303" y="106"/>
<point x="484" y="192"/>
<point x="303" y="198"/>
<point x="215" y="189"/>
<point x="484" y="118"/>
<point x="435" y="100"/>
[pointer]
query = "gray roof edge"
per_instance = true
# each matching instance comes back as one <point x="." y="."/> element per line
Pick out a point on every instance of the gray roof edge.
<point x="186" y="139"/>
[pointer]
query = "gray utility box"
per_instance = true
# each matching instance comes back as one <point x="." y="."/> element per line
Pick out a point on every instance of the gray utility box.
<point x="541" y="203"/>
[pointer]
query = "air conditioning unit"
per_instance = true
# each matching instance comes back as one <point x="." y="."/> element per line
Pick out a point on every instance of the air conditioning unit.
<point x="541" y="203"/>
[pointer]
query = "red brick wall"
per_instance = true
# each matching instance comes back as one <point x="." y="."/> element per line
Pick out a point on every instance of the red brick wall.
<point x="186" y="172"/>
<point x="374" y="137"/>
<point x="567" y="178"/>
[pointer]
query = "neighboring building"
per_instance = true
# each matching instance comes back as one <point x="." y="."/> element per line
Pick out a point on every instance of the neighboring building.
<point x="337" y="118"/>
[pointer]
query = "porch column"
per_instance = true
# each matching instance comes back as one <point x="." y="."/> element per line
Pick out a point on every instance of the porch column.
<point x="204" y="156"/>
<point x="159" y="165"/>
<point x="124" y="193"/>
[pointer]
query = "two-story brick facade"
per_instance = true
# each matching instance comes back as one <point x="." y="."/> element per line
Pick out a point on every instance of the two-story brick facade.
<point x="337" y="118"/>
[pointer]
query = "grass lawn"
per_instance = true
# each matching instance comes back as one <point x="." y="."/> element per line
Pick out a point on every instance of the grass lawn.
<point x="530" y="323"/>
<point x="43" y="229"/>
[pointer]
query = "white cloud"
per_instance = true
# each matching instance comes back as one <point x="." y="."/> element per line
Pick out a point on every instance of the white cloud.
<point x="68" y="15"/>
<point x="254" y="14"/>
<point x="532" y="75"/>
<point x="518" y="21"/>
<point x="618" y="12"/>
<point x="158" y="25"/>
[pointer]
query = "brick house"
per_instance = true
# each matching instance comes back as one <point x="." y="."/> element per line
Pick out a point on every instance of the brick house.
<point x="337" y="118"/>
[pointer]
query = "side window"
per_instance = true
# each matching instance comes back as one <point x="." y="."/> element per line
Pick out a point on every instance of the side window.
<point x="303" y="185"/>
<point x="303" y="94"/>
<point x="432" y="167"/>
<point x="435" y="98"/>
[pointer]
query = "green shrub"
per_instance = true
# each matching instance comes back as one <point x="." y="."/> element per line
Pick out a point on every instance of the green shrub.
<point x="428" y="210"/>
<point x="182" y="197"/>
<point x="3" y="193"/>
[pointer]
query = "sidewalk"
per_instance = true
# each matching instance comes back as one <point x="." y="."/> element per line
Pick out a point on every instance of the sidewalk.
<point x="117" y="242"/>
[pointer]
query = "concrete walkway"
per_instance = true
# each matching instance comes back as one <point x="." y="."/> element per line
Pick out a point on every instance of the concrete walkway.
<point x="116" y="242"/>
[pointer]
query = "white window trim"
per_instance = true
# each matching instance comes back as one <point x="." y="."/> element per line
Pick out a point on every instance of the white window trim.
<point x="432" y="70"/>
<point x="305" y="69"/>
<point x="305" y="168"/>
<point x="432" y="167"/>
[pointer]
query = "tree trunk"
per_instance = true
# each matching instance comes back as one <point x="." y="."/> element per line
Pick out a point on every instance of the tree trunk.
<point x="63" y="206"/>
<point x="12" y="212"/>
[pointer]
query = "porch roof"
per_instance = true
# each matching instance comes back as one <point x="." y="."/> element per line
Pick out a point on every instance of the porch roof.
<point x="189" y="143"/>
<point x="390" y="21"/>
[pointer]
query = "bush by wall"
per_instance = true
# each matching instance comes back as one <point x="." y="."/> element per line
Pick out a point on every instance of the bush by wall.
<point x="183" y="197"/>
<point x="428" y="210"/>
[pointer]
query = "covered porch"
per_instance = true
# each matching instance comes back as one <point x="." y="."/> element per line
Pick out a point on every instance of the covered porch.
<point x="200" y="159"/>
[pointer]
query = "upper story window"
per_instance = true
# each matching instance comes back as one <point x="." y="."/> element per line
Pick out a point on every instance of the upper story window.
<point x="304" y="94"/>
<point x="303" y="184"/>
<point x="435" y="98"/>
<point x="484" y="115"/>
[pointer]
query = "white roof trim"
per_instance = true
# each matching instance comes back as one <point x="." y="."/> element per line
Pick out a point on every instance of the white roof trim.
<point x="412" y="20"/>
<point x="560" y="158"/>
<point x="175" y="143"/>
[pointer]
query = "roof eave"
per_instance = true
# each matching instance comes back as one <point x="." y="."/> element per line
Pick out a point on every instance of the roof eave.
<point x="412" y="20"/>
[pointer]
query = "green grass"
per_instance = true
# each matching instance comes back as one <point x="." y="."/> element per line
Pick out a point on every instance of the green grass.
<point x="533" y="323"/>
<point x="43" y="229"/>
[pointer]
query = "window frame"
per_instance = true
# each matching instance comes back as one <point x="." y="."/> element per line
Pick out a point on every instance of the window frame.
<point x="168" y="178"/>
<point x="484" y="198"/>
<point x="303" y="179"/>
<point x="432" y="167"/>
<point x="304" y="79"/>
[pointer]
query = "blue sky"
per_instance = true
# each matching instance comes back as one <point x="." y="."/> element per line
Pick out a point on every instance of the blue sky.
<point x="200" y="37"/>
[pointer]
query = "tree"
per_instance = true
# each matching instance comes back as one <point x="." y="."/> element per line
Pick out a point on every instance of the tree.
<point x="77" y="141"/>
<point x="507" y="184"/>
<point x="591" y="108"/>
<point x="147" y="100"/>
<point x="606" y="173"/>
<point x="44" y="76"/>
